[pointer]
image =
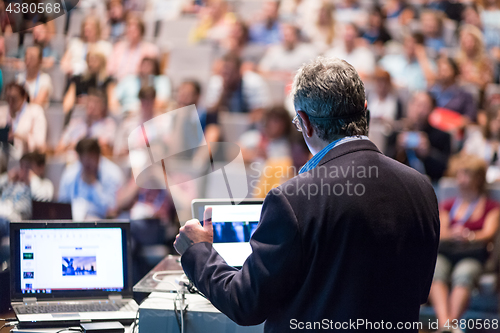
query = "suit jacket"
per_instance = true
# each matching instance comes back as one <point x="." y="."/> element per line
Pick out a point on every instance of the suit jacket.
<point x="333" y="245"/>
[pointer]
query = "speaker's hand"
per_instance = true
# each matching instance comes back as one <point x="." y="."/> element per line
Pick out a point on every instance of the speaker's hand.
<point x="193" y="232"/>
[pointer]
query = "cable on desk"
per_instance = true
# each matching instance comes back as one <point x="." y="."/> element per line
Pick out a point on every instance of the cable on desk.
<point x="70" y="329"/>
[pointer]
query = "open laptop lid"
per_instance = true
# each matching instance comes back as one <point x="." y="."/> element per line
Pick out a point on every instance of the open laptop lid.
<point x="70" y="260"/>
<point x="233" y="226"/>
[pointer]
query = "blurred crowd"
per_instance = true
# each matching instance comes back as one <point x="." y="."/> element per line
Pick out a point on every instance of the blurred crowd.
<point x="74" y="89"/>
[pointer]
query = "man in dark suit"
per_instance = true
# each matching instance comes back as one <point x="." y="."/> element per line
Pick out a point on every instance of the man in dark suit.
<point x="348" y="244"/>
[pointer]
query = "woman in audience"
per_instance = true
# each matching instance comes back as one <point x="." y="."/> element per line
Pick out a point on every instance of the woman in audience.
<point x="95" y="77"/>
<point x="214" y="22"/>
<point x="236" y="40"/>
<point x="37" y="84"/>
<point x="116" y="24"/>
<point x="484" y="142"/>
<point x="74" y="60"/>
<point x="431" y="23"/>
<point x="128" y="54"/>
<point x="375" y="32"/>
<point x="383" y="102"/>
<point x="24" y="121"/>
<point x="96" y="124"/>
<point x="321" y="31"/>
<point x="469" y="223"/>
<point x="475" y="66"/>
<point x="126" y="94"/>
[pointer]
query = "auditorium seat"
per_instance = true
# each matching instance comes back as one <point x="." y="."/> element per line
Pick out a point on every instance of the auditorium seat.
<point x="175" y="33"/>
<point x="55" y="124"/>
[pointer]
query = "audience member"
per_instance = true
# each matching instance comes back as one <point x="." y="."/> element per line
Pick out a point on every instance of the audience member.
<point x="475" y="66"/>
<point x="41" y="187"/>
<point x="234" y="91"/>
<point x="96" y="124"/>
<point x="353" y="52"/>
<point x="214" y="23"/>
<point x="147" y="97"/>
<point x="321" y="31"/>
<point x="116" y="25"/>
<point x="383" y="101"/>
<point x="25" y="121"/>
<point x="37" y="83"/>
<point x="267" y="29"/>
<point x="431" y="22"/>
<point x="375" y="32"/>
<point x="282" y="60"/>
<point x="74" y="60"/>
<point x="417" y="143"/>
<point x="350" y="11"/>
<point x="411" y="69"/>
<point x="469" y="222"/>
<point x="448" y="94"/>
<point x="94" y="77"/>
<point x="126" y="93"/>
<point x="91" y="183"/>
<point x="42" y="38"/>
<point x="128" y="54"/>
<point x="484" y="142"/>
<point x="15" y="196"/>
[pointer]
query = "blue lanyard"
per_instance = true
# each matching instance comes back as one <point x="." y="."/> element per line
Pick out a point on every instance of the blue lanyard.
<point x="470" y="210"/>
<point x="37" y="84"/>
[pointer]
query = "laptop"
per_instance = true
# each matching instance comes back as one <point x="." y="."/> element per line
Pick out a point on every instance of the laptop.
<point x="45" y="210"/>
<point x="233" y="226"/>
<point x="64" y="273"/>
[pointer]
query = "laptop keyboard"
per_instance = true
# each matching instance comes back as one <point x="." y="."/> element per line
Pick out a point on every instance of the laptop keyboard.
<point x="69" y="307"/>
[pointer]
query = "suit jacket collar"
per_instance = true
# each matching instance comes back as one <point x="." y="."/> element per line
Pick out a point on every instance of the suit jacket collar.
<point x="347" y="148"/>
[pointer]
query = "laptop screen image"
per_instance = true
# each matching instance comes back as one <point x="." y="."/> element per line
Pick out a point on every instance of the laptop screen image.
<point x="54" y="259"/>
<point x="71" y="259"/>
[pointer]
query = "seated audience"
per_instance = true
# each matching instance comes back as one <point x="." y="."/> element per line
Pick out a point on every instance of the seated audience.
<point x="41" y="187"/>
<point x="448" y="94"/>
<point x="383" y="102"/>
<point x="42" y="38"/>
<point x="214" y="23"/>
<point x="126" y="93"/>
<point x="37" y="84"/>
<point x="484" y="142"/>
<point x="321" y="31"/>
<point x="91" y="183"/>
<point x="375" y="32"/>
<point x="411" y="69"/>
<point x="15" y="195"/>
<point x="469" y="222"/>
<point x="74" y="60"/>
<point x="233" y="91"/>
<point x="350" y="11"/>
<point x="267" y="29"/>
<point x="475" y="66"/>
<point x="431" y="22"/>
<point x="116" y="26"/>
<point x="353" y="52"/>
<point x="26" y="122"/>
<point x="94" y="77"/>
<point x="147" y="97"/>
<point x="128" y="54"/>
<point x="417" y="143"/>
<point x="96" y="124"/>
<point x="282" y="60"/>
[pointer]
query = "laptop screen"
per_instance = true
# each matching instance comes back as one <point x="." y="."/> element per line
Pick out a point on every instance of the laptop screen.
<point x="233" y="226"/>
<point x="65" y="259"/>
<point x="71" y="259"/>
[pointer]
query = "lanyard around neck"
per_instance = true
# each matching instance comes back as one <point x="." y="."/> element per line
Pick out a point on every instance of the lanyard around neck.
<point x="468" y="213"/>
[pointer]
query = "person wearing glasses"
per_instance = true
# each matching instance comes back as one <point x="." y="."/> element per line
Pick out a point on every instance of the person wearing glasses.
<point x="336" y="243"/>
